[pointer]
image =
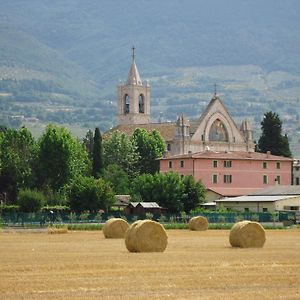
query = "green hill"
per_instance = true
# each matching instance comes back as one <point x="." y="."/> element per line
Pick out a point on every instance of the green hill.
<point x="60" y="61"/>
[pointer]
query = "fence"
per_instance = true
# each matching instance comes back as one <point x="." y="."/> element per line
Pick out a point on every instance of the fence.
<point x="47" y="218"/>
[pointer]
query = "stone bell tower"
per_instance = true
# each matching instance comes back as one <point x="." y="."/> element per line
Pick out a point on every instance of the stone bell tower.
<point x="134" y="98"/>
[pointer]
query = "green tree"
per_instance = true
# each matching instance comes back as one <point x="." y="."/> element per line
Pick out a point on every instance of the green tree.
<point x="97" y="154"/>
<point x="194" y="193"/>
<point x="18" y="152"/>
<point x="30" y="200"/>
<point x="61" y="158"/>
<point x="119" y="149"/>
<point x="150" y="147"/>
<point x="165" y="189"/>
<point x="272" y="139"/>
<point x="88" y="142"/>
<point x="118" y="179"/>
<point x="88" y="193"/>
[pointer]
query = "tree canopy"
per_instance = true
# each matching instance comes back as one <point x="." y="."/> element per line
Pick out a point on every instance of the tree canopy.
<point x="119" y="149"/>
<point x="18" y="151"/>
<point x="271" y="138"/>
<point x="169" y="190"/>
<point x="88" y="193"/>
<point x="150" y="147"/>
<point x="61" y="157"/>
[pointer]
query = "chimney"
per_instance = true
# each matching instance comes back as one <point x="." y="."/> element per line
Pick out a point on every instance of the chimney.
<point x="268" y="154"/>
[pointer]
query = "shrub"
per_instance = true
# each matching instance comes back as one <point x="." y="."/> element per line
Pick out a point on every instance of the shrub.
<point x="89" y="194"/>
<point x="30" y="200"/>
<point x="9" y="209"/>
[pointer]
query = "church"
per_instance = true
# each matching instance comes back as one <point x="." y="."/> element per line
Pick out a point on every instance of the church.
<point x="214" y="130"/>
<point x="212" y="148"/>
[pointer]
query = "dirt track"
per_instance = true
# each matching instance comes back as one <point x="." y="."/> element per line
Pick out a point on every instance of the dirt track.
<point x="196" y="265"/>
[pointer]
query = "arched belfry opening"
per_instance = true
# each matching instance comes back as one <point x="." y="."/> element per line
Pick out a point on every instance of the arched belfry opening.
<point x="126" y="104"/>
<point x="141" y="104"/>
<point x="218" y="132"/>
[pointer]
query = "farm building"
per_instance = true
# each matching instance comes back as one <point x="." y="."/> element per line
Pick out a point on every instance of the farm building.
<point x="141" y="208"/>
<point x="275" y="198"/>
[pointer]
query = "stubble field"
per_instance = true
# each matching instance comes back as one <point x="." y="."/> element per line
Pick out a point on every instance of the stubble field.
<point x="195" y="265"/>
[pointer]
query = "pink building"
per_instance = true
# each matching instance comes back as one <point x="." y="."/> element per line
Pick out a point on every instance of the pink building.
<point x="232" y="173"/>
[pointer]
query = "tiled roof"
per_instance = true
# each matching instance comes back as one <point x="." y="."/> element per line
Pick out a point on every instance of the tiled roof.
<point x="167" y="130"/>
<point x="226" y="192"/>
<point x="256" y="198"/>
<point x="232" y="155"/>
<point x="279" y="190"/>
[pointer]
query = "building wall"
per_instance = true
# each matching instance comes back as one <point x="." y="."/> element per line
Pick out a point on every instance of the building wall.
<point x="244" y="173"/>
<point x="251" y="206"/>
<point x="296" y="172"/>
<point x="288" y="204"/>
<point x="280" y="205"/>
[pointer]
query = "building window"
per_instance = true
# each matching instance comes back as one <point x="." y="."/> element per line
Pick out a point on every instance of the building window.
<point x="215" y="163"/>
<point x="181" y="164"/>
<point x="297" y="168"/>
<point x="246" y="209"/>
<point x="141" y="104"/>
<point x="265" y="164"/>
<point x="227" y="163"/>
<point x="265" y="179"/>
<point x="202" y="137"/>
<point x="297" y="180"/>
<point x="215" y="178"/>
<point x="126" y="104"/>
<point x="170" y="165"/>
<point x="218" y="132"/>
<point x="169" y="147"/>
<point x="227" y="178"/>
<point x="277" y="179"/>
<point x="265" y="209"/>
<point x="278" y="165"/>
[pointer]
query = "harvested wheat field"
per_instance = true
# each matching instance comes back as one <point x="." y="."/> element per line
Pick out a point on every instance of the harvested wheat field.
<point x="195" y="265"/>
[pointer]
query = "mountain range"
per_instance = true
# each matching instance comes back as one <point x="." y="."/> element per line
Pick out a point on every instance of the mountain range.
<point x="60" y="61"/>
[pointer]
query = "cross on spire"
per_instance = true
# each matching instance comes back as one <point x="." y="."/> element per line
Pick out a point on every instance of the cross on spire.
<point x="133" y="55"/>
<point x="215" y="89"/>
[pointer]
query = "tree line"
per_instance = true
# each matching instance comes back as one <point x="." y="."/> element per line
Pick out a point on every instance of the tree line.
<point x="60" y="170"/>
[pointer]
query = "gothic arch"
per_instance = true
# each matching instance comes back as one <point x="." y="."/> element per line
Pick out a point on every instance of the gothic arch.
<point x="225" y="132"/>
<point x="218" y="132"/>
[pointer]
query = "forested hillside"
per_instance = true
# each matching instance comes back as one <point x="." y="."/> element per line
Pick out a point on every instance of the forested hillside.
<point x="60" y="61"/>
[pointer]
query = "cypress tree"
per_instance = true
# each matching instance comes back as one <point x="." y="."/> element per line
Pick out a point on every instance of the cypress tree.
<point x="97" y="154"/>
<point x="272" y="139"/>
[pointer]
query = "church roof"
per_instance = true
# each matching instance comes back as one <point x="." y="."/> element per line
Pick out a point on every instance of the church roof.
<point x="133" y="75"/>
<point x="167" y="129"/>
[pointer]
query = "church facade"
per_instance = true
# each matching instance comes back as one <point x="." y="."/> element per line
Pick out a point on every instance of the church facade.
<point x="215" y="129"/>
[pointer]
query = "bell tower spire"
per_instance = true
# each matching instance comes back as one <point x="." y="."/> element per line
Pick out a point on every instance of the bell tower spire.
<point x="134" y="98"/>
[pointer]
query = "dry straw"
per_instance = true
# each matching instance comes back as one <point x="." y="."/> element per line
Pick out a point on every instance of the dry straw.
<point x="146" y="236"/>
<point x="57" y="230"/>
<point x="115" y="228"/>
<point x="247" y="234"/>
<point x="198" y="223"/>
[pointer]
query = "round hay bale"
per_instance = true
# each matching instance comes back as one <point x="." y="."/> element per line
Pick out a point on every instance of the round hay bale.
<point x="198" y="223"/>
<point x="146" y="236"/>
<point x="130" y="237"/>
<point x="115" y="228"/>
<point x="247" y="234"/>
